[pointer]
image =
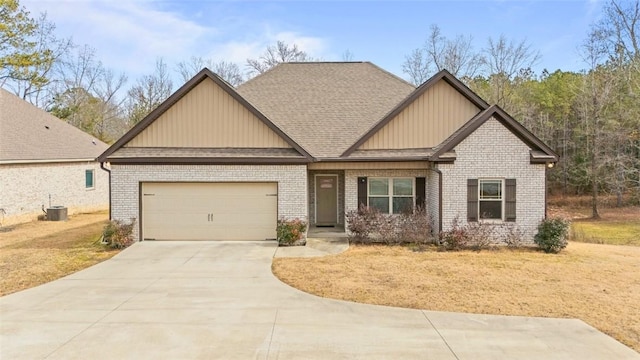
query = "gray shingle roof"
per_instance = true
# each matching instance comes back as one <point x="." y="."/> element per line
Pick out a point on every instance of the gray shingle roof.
<point x="28" y="133"/>
<point x="325" y="107"/>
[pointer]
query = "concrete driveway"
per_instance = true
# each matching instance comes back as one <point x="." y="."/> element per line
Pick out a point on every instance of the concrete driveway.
<point x="212" y="300"/>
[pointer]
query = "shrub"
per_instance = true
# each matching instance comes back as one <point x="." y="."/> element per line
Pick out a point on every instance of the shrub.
<point x="474" y="235"/>
<point x="552" y="235"/>
<point x="456" y="238"/>
<point x="117" y="234"/>
<point x="289" y="232"/>
<point x="367" y="225"/>
<point x="361" y="223"/>
<point x="513" y="236"/>
<point x="415" y="227"/>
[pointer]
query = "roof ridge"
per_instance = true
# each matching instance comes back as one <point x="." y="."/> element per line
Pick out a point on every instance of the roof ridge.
<point x="390" y="74"/>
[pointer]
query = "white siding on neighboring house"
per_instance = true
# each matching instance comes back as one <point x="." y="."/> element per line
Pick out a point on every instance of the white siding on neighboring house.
<point x="126" y="179"/>
<point x="492" y="151"/>
<point x="25" y="188"/>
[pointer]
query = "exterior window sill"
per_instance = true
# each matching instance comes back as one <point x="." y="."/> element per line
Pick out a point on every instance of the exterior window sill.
<point x="492" y="221"/>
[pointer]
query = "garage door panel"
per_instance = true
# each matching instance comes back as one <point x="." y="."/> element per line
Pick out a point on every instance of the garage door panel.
<point x="209" y="211"/>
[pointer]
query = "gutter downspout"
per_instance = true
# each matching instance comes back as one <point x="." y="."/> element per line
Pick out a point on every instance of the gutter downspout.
<point x="437" y="171"/>
<point x="546" y="191"/>
<point x="109" y="171"/>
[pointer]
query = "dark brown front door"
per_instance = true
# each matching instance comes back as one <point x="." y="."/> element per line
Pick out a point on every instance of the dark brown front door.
<point x="326" y="200"/>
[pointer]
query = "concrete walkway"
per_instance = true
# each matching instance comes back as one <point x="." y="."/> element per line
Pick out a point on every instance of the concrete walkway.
<point x="219" y="300"/>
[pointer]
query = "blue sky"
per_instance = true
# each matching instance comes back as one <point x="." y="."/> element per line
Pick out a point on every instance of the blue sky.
<point x="129" y="35"/>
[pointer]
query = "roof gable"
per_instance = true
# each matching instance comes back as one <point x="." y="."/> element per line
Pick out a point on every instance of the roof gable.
<point x="424" y="118"/>
<point x="208" y="117"/>
<point x="206" y="112"/>
<point x="540" y="152"/>
<point x="29" y="134"/>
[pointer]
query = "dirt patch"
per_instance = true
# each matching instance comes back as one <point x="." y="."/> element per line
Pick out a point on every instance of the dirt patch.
<point x="599" y="284"/>
<point x="41" y="251"/>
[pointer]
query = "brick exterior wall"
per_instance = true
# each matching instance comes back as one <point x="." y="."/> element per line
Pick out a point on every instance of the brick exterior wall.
<point x="25" y="188"/>
<point x="125" y="180"/>
<point x="351" y="182"/>
<point x="312" y="194"/>
<point x="492" y="151"/>
<point x="433" y="198"/>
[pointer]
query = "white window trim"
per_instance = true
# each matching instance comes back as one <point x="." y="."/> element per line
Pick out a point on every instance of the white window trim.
<point x="93" y="178"/>
<point x="502" y="200"/>
<point x="390" y="195"/>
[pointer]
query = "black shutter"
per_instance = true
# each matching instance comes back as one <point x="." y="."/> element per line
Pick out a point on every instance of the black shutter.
<point x="362" y="192"/>
<point x="510" y="200"/>
<point x="420" y="192"/>
<point x="472" y="199"/>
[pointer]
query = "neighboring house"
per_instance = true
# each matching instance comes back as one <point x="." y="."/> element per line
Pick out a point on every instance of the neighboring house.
<point x="315" y="140"/>
<point x="46" y="162"/>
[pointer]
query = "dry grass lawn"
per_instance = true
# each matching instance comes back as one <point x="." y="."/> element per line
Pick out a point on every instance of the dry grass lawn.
<point x="41" y="251"/>
<point x="599" y="284"/>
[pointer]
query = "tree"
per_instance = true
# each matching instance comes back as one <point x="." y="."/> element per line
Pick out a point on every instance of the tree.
<point x="28" y="51"/>
<point x="417" y="67"/>
<point x="439" y="53"/>
<point x="229" y="71"/>
<point x="86" y="96"/>
<point x="347" y="55"/>
<point x="593" y="100"/>
<point x="275" y="54"/>
<point x="503" y="60"/>
<point x="619" y="29"/>
<point x="148" y="93"/>
<point x="616" y="37"/>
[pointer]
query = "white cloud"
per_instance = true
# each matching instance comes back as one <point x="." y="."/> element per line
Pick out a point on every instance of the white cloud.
<point x="129" y="35"/>
<point x="239" y="51"/>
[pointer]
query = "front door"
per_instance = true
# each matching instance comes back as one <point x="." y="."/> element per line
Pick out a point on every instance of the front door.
<point x="326" y="200"/>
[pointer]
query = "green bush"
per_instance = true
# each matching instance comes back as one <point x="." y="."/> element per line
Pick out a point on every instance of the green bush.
<point x="552" y="235"/>
<point x="289" y="232"/>
<point x="117" y="234"/>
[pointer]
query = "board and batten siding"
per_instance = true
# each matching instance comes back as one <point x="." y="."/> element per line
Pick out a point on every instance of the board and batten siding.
<point x="426" y="122"/>
<point x="208" y="116"/>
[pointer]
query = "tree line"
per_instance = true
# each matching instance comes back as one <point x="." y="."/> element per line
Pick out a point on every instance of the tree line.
<point x="591" y="118"/>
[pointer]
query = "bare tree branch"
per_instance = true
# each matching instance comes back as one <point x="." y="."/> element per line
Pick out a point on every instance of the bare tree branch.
<point x="275" y="54"/>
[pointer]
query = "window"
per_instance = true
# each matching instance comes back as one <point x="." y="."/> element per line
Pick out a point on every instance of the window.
<point x="490" y="199"/>
<point x="89" y="179"/>
<point x="391" y="195"/>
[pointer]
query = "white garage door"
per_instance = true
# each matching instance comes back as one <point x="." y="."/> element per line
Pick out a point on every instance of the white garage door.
<point x="209" y="211"/>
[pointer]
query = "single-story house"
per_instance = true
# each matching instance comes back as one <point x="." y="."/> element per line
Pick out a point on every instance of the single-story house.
<point x="45" y="162"/>
<point x="315" y="140"/>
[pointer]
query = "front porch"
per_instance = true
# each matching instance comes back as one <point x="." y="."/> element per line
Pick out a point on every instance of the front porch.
<point x="325" y="232"/>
